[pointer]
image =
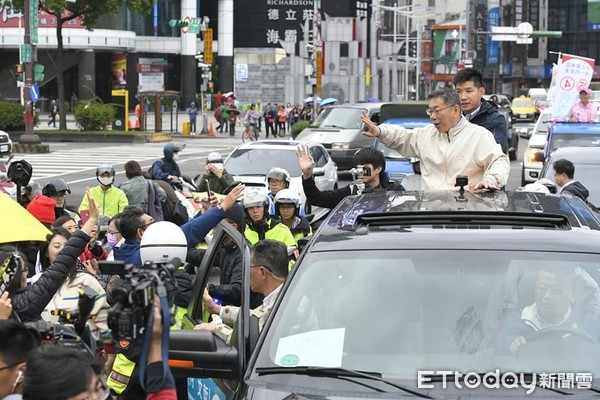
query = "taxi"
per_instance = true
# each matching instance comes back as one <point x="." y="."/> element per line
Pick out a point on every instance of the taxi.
<point x="523" y="109"/>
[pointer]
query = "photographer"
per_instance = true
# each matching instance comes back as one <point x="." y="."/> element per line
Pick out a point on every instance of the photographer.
<point x="16" y="344"/>
<point x="29" y="302"/>
<point x="374" y="177"/>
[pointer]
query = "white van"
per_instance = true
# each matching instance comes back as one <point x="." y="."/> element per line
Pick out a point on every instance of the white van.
<point x="537" y="94"/>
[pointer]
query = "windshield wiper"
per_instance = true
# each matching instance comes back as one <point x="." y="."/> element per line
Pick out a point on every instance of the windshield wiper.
<point x="337" y="373"/>
<point x="332" y="126"/>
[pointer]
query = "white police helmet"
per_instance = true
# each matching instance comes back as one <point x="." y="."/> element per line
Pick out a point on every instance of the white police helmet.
<point x="254" y="198"/>
<point x="288" y="196"/>
<point x="162" y="241"/>
<point x="279" y="174"/>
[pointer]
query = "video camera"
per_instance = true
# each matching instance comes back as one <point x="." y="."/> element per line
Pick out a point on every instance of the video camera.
<point x="134" y="298"/>
<point x="70" y="331"/>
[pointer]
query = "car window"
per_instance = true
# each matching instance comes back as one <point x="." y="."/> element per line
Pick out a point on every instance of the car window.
<point x="569" y="140"/>
<point x="256" y="161"/>
<point x="318" y="156"/>
<point x="339" y="117"/>
<point x="542" y="125"/>
<point x="445" y="309"/>
<point x="522" y="103"/>
<point x="223" y="277"/>
<point x="376" y="117"/>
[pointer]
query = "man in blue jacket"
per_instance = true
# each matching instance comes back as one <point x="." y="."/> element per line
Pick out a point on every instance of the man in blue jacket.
<point x="469" y="86"/>
<point x="166" y="169"/>
<point x="133" y="223"/>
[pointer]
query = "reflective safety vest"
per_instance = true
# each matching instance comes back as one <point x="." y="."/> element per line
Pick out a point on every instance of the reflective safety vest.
<point x="119" y="377"/>
<point x="179" y="313"/>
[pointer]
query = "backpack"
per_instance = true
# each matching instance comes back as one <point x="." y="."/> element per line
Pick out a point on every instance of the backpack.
<point x="173" y="210"/>
<point x="155" y="208"/>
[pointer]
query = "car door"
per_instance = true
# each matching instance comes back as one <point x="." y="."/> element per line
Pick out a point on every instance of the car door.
<point x="201" y="361"/>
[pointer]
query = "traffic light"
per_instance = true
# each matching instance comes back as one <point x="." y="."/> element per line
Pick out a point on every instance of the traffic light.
<point x="177" y="23"/>
<point x="412" y="49"/>
<point x="19" y="72"/>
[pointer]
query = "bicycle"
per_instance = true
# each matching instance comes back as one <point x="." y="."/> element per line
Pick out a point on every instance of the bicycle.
<point x="248" y="134"/>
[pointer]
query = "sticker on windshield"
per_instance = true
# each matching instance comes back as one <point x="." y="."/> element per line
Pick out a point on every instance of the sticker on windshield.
<point x="289" y="360"/>
<point x="322" y="348"/>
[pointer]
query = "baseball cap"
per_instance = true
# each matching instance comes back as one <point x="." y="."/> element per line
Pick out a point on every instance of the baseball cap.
<point x="586" y="90"/>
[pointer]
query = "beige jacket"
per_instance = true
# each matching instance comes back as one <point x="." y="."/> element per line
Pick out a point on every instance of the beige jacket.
<point x="229" y="316"/>
<point x="467" y="149"/>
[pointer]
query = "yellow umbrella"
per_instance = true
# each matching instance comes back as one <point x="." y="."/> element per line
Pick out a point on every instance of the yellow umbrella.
<point x="17" y="224"/>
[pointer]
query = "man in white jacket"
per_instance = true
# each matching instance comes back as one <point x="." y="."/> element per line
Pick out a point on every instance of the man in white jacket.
<point x="450" y="147"/>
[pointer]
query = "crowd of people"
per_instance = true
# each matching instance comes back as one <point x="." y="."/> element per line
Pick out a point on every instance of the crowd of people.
<point x="45" y="281"/>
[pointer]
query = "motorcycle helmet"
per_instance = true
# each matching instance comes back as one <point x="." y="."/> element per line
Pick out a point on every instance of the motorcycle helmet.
<point x="162" y="242"/>
<point x="287" y="196"/>
<point x="56" y="186"/>
<point x="254" y="198"/>
<point x="172" y="147"/>
<point x="105" y="167"/>
<point x="279" y="174"/>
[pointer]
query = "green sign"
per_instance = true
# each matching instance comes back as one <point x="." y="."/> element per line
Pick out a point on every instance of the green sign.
<point x="38" y="73"/>
<point x="195" y="25"/>
<point x="25" y="53"/>
<point x="33" y="26"/>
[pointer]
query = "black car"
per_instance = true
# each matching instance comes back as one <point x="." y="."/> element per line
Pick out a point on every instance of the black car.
<point x="397" y="292"/>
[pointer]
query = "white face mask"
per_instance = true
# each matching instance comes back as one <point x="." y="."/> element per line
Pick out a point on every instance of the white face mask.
<point x="106" y="181"/>
<point x="175" y="157"/>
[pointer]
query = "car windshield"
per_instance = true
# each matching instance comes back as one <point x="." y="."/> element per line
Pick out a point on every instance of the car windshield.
<point x="587" y="174"/>
<point x="570" y="140"/>
<point x="398" y="312"/>
<point x="339" y="117"/>
<point x="250" y="162"/>
<point x="542" y="126"/>
<point x="522" y="103"/>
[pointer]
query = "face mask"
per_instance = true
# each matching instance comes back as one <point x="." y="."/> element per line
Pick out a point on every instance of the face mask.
<point x="111" y="239"/>
<point x="175" y="157"/>
<point x="106" y="181"/>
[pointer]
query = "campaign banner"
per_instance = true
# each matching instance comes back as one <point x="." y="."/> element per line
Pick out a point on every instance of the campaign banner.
<point x="493" y="47"/>
<point x="572" y="74"/>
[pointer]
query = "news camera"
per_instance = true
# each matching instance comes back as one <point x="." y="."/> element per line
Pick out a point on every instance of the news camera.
<point x="134" y="297"/>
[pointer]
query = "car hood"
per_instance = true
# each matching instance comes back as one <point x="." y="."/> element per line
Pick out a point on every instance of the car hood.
<point x="523" y="110"/>
<point x="537" y="140"/>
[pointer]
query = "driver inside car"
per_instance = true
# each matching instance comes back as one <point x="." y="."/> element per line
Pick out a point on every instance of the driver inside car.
<point x="555" y="295"/>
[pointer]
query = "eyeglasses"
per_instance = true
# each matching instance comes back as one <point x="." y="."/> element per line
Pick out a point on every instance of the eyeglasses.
<point x="430" y="112"/>
<point x="10" y="366"/>
<point x="113" y="232"/>
<point x="143" y="227"/>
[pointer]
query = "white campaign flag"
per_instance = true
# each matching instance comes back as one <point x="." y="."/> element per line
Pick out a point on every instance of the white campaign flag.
<point x="573" y="74"/>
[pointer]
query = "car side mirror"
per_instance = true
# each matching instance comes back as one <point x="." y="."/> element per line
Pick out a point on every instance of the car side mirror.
<point x="539" y="156"/>
<point x="318" y="171"/>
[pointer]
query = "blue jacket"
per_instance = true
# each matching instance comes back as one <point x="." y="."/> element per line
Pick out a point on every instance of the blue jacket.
<point x="129" y="252"/>
<point x="164" y="167"/>
<point x="195" y="230"/>
<point x="489" y="118"/>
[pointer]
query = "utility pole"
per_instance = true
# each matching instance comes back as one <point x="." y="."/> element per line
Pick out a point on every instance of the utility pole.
<point x="26" y="57"/>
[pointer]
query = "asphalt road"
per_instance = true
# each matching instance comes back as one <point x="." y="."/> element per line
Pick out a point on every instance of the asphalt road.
<point x="76" y="162"/>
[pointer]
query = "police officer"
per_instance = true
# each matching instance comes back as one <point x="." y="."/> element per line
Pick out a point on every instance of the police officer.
<point x="259" y="225"/>
<point x="57" y="190"/>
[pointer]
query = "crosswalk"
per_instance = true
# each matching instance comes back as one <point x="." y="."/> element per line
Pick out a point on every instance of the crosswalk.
<point x="72" y="163"/>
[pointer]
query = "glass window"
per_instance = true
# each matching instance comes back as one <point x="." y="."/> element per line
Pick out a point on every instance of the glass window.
<point x="398" y="312"/>
<point x="568" y="140"/>
<point x="339" y="117"/>
<point x="249" y="162"/>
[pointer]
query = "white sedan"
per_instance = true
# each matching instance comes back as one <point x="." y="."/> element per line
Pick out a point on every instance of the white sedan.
<point x="250" y="162"/>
